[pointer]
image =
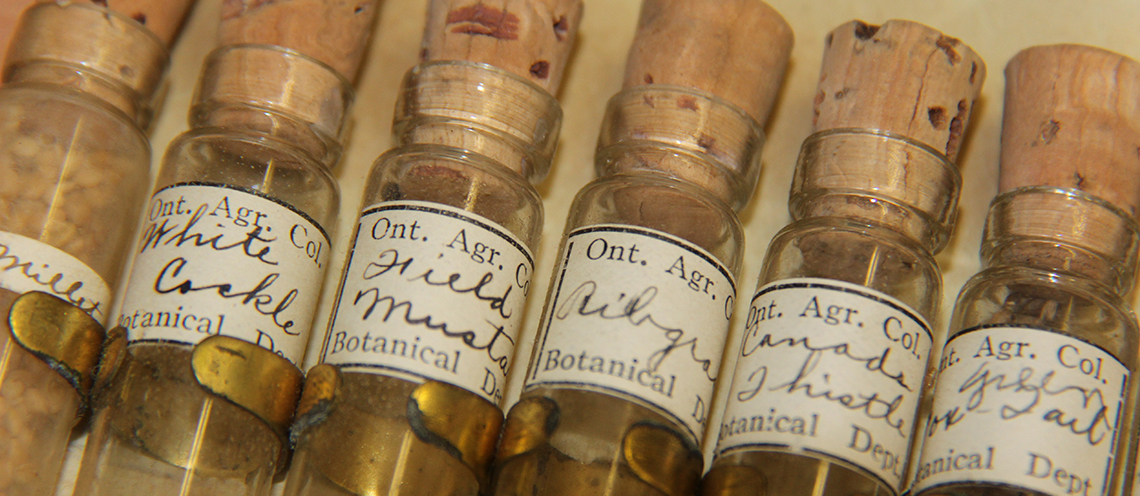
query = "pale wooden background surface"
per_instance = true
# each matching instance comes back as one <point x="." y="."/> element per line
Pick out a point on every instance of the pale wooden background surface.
<point x="995" y="29"/>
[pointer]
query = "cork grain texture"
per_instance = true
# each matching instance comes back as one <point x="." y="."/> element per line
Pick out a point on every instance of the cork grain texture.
<point x="162" y="17"/>
<point x="996" y="31"/>
<point x="902" y="77"/>
<point x="1072" y="120"/>
<point x="529" y="38"/>
<point x="729" y="49"/>
<point x="332" y="31"/>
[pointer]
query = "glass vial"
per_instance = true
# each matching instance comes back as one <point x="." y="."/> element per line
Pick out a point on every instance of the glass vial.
<point x="620" y="382"/>
<point x="224" y="284"/>
<point x="1033" y="389"/>
<point x="837" y="339"/>
<point x="432" y="297"/>
<point x="79" y="87"/>
<point x="1036" y="386"/>
<point x="857" y="262"/>
<point x="621" y="378"/>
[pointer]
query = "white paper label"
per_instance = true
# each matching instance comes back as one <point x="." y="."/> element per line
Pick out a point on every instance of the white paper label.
<point x="1025" y="407"/>
<point x="829" y="367"/>
<point x="431" y="292"/>
<point x="640" y="314"/>
<point x="216" y="260"/>
<point x="30" y="265"/>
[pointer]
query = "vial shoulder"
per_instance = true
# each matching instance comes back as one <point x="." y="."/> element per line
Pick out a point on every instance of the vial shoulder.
<point x="856" y="252"/>
<point x="1035" y="298"/>
<point x="459" y="179"/>
<point x="255" y="164"/>
<point x="662" y="204"/>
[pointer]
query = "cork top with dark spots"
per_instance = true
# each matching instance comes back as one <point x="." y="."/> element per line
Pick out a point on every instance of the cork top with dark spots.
<point x="735" y="49"/>
<point x="162" y="17"/>
<point x="335" y="32"/>
<point x="1072" y="120"/>
<point x="901" y="77"/>
<point x="530" y="38"/>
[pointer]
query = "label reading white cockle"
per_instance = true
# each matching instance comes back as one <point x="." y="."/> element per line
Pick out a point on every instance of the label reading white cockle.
<point x="431" y="292"/>
<point x="829" y="367"/>
<point x="1024" y="407"/>
<point x="31" y="265"/>
<point x="218" y="260"/>
<point x="640" y="314"/>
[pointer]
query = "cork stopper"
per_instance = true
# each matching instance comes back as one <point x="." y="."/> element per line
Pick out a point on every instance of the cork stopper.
<point x="529" y="38"/>
<point x="901" y="77"/>
<point x="162" y="17"/>
<point x="118" y="60"/>
<point x="298" y="99"/>
<point x="734" y="49"/>
<point x="332" y="31"/>
<point x="700" y="80"/>
<point x="1072" y="120"/>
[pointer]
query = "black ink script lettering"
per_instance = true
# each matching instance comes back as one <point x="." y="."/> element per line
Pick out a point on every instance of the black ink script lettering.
<point x="49" y="280"/>
<point x="876" y="363"/>
<point x="946" y="419"/>
<point x="580" y="302"/>
<point x="371" y="299"/>
<point x="874" y="406"/>
<point x="389" y="260"/>
<point x="168" y="234"/>
<point x="258" y="296"/>
<point x="496" y="302"/>
<point x="1082" y="412"/>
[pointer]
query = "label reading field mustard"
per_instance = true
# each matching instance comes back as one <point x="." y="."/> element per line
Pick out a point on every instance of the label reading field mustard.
<point x="431" y="292"/>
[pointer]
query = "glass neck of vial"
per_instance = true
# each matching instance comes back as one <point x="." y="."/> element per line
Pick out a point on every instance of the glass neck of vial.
<point x="685" y="134"/>
<point x="878" y="178"/>
<point x="92" y="50"/>
<point x="271" y="92"/>
<point x="1064" y="231"/>
<point x="479" y="109"/>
